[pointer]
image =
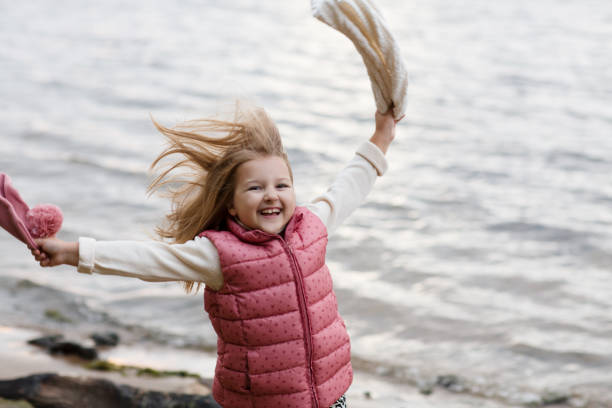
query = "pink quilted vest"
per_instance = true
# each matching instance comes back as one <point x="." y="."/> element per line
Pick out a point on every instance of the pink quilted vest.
<point x="281" y="340"/>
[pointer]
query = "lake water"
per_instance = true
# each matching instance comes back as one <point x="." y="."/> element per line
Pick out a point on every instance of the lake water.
<point x="486" y="250"/>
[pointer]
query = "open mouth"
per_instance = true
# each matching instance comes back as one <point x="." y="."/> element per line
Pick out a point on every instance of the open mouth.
<point x="270" y="212"/>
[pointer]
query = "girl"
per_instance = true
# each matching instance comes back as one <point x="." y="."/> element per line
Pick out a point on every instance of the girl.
<point x="236" y="228"/>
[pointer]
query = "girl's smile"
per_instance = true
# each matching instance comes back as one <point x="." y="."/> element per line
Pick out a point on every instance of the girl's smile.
<point x="263" y="198"/>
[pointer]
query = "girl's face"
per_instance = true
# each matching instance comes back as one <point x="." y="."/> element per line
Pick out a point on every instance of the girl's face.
<point x="264" y="198"/>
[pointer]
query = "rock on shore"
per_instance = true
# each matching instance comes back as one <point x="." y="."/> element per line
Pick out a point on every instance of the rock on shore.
<point x="55" y="391"/>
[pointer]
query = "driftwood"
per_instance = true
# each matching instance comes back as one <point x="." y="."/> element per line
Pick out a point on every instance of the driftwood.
<point x="55" y="391"/>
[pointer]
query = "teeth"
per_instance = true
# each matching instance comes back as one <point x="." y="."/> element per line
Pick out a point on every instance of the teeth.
<point x="272" y="211"/>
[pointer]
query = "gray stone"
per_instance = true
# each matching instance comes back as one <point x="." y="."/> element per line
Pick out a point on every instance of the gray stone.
<point x="55" y="391"/>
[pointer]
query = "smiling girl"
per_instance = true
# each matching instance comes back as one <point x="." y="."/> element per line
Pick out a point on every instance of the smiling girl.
<point x="235" y="228"/>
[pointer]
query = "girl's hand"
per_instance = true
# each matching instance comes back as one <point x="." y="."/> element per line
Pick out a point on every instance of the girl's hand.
<point x="56" y="252"/>
<point x="385" y="130"/>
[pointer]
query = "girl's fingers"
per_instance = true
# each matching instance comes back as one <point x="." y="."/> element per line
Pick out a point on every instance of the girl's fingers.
<point x="39" y="256"/>
<point x="45" y="261"/>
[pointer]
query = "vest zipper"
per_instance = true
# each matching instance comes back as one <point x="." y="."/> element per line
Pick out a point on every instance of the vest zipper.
<point x="305" y="319"/>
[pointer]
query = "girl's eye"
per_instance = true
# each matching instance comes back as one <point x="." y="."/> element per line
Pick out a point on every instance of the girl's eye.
<point x="282" y="186"/>
<point x="253" y="188"/>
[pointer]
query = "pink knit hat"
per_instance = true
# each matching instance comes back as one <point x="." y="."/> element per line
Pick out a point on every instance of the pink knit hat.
<point x="22" y="222"/>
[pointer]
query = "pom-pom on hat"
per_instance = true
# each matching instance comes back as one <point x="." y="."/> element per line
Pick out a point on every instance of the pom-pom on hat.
<point x="44" y="220"/>
<point x="22" y="222"/>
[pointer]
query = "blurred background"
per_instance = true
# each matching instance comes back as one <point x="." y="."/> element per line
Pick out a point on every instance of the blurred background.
<point x="483" y="255"/>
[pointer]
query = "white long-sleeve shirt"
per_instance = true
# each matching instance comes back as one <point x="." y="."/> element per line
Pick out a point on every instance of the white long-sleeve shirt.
<point x="198" y="260"/>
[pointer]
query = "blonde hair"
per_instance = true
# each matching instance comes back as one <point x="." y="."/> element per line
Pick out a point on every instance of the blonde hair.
<point x="210" y="152"/>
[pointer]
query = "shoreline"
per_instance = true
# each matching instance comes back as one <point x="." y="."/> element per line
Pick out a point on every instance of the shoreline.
<point x="367" y="391"/>
<point x="20" y="359"/>
<point x="34" y="310"/>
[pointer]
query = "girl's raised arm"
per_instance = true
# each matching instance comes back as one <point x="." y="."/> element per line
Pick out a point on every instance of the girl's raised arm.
<point x="351" y="186"/>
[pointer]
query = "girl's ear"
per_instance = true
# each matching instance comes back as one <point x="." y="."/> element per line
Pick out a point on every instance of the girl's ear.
<point x="231" y="210"/>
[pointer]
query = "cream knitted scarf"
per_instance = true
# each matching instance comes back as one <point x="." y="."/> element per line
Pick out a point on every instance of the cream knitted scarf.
<point x="364" y="25"/>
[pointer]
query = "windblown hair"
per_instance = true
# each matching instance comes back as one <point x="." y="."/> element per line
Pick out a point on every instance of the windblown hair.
<point x="201" y="182"/>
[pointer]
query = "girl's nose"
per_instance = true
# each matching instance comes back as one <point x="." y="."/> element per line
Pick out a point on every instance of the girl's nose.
<point x="270" y="194"/>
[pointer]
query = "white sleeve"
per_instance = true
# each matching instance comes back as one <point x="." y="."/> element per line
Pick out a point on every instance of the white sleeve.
<point x="195" y="261"/>
<point x="350" y="187"/>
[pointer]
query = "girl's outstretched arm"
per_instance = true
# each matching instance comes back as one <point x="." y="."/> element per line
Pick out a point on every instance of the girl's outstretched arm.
<point x="56" y="252"/>
<point x="152" y="261"/>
